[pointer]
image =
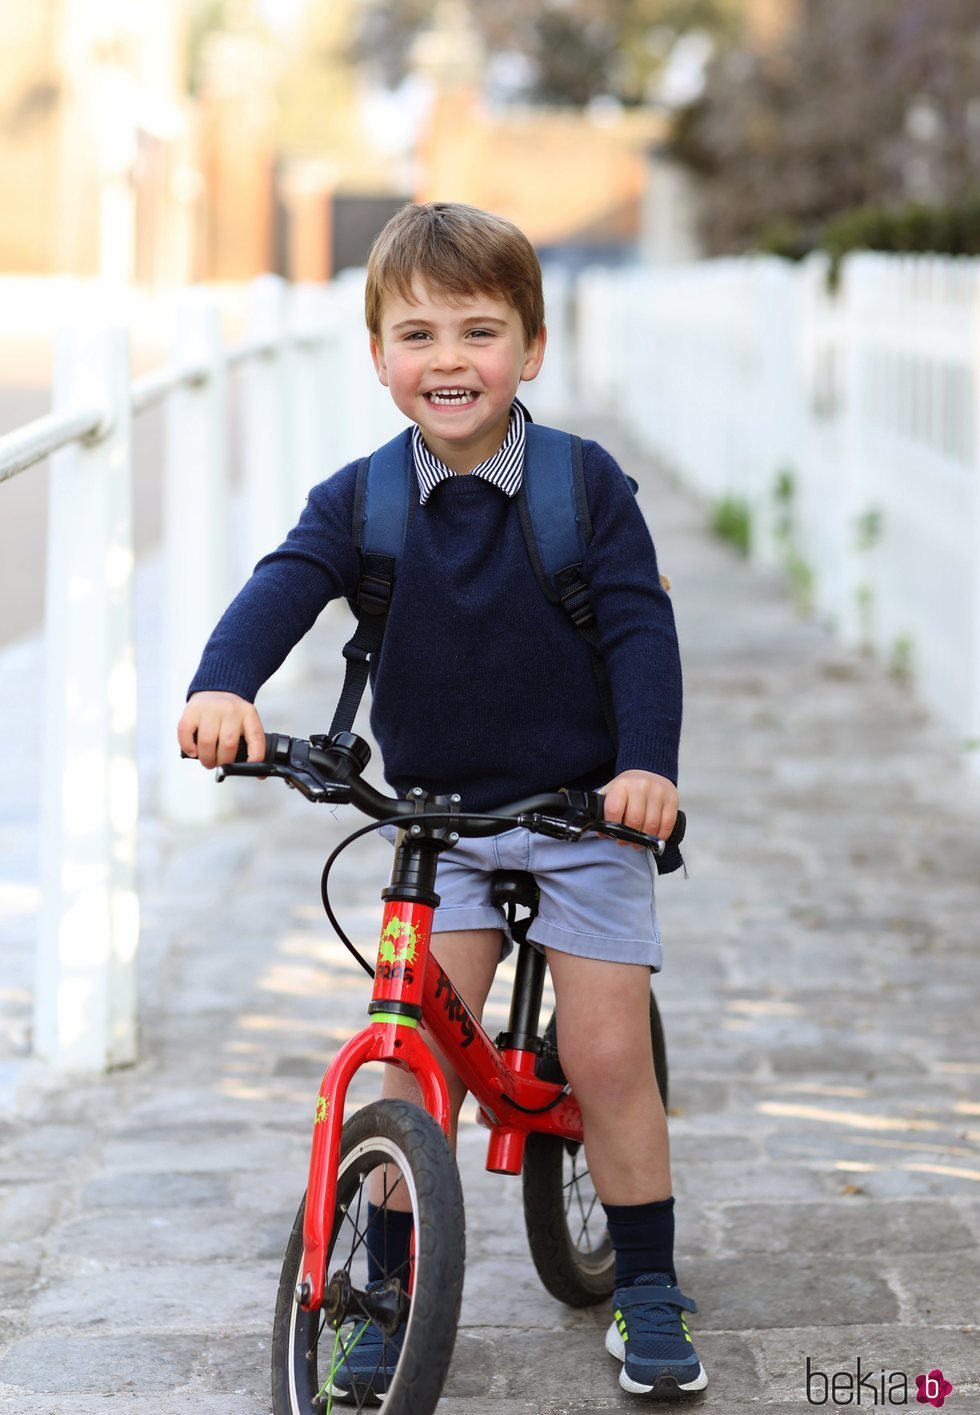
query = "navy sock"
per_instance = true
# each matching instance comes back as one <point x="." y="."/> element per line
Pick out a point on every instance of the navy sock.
<point x="643" y="1237"/>
<point x="388" y="1239"/>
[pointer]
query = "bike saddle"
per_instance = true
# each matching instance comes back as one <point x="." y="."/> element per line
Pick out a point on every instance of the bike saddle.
<point x="514" y="887"/>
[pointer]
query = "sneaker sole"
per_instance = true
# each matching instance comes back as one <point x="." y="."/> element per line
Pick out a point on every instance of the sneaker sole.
<point x="663" y="1385"/>
<point x="349" y="1396"/>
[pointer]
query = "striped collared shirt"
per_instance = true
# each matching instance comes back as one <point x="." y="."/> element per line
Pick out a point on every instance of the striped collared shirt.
<point x="504" y="469"/>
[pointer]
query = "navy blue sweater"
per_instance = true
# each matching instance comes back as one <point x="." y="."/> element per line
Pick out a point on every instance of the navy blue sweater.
<point x="482" y="687"/>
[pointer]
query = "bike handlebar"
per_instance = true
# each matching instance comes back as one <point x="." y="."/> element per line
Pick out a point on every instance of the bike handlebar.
<point x="328" y="770"/>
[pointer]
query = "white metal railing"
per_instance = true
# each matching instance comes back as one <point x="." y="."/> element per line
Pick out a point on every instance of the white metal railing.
<point x="85" y="1014"/>
<point x="39" y="439"/>
<point x="846" y="424"/>
<point x="309" y="402"/>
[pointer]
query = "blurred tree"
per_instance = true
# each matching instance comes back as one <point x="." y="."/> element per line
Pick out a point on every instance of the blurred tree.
<point x="869" y="104"/>
<point x="555" y="52"/>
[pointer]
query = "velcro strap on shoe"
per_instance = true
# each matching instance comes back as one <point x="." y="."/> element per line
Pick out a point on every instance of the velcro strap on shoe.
<point x="645" y="1294"/>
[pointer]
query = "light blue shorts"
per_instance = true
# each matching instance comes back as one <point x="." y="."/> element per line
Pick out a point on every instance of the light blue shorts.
<point x="597" y="897"/>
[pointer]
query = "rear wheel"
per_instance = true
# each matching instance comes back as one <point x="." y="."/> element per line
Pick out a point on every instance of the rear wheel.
<point x="566" y="1225"/>
<point x="408" y="1320"/>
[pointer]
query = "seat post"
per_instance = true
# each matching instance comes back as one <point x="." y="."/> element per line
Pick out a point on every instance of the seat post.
<point x="525" y="1005"/>
<point x="511" y="890"/>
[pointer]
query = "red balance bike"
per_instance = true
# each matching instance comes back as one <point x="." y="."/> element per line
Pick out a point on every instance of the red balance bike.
<point x="361" y="1318"/>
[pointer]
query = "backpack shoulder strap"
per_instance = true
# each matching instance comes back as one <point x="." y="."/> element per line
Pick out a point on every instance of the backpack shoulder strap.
<point x="382" y="505"/>
<point x="382" y="498"/>
<point x="553" y="507"/>
<point x="554" y="512"/>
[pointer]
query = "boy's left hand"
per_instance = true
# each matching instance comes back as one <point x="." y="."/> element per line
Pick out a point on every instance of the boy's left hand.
<point x="643" y="800"/>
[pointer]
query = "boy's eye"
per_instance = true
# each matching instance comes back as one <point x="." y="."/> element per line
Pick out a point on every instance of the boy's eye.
<point x="481" y="333"/>
<point x="417" y="334"/>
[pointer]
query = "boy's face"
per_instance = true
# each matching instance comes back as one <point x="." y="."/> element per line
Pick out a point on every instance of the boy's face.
<point x="453" y="366"/>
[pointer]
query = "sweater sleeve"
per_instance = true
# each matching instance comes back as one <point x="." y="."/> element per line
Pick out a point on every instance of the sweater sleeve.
<point x="317" y="562"/>
<point x="635" y="621"/>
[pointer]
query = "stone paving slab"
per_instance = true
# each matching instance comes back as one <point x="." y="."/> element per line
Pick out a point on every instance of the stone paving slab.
<point x="819" y="998"/>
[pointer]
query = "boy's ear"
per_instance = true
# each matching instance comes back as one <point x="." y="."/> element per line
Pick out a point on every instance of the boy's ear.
<point x="378" y="355"/>
<point x="534" y="355"/>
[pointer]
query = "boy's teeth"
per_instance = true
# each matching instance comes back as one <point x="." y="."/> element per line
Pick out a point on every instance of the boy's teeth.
<point x="450" y="395"/>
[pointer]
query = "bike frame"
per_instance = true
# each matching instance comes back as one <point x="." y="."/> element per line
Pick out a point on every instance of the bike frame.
<point x="412" y="990"/>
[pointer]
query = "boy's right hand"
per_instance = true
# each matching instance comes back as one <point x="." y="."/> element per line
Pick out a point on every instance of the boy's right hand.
<point x="212" y="725"/>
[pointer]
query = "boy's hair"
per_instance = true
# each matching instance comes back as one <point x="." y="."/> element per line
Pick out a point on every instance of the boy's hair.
<point x="454" y="250"/>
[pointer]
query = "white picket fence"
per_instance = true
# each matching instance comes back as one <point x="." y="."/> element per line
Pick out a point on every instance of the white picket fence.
<point x="308" y="402"/>
<point x="845" y="425"/>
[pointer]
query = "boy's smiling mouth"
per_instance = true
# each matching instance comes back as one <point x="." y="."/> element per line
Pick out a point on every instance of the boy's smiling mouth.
<point x="451" y="397"/>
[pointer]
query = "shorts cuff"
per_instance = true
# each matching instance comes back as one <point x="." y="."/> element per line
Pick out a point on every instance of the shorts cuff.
<point x="469" y="916"/>
<point x="647" y="952"/>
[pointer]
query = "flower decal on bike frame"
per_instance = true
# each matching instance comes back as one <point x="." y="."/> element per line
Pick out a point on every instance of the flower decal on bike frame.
<point x="399" y="942"/>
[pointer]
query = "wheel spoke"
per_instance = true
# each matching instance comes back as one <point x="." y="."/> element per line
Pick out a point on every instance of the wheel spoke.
<point x="360" y="1234"/>
<point x="573" y="1196"/>
<point x="583" y="1233"/>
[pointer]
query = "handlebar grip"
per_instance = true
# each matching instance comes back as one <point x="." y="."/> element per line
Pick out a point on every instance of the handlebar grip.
<point x="242" y="754"/>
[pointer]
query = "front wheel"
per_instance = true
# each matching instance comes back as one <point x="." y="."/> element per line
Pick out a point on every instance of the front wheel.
<point x="566" y="1225"/>
<point x="320" y="1365"/>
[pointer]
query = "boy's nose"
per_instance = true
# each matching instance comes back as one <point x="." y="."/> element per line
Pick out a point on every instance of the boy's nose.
<point x="448" y="355"/>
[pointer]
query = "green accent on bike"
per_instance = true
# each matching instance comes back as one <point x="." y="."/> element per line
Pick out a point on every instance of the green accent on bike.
<point x="335" y="1364"/>
<point x="395" y="1017"/>
<point x="322" y="1109"/>
<point x="399" y="942"/>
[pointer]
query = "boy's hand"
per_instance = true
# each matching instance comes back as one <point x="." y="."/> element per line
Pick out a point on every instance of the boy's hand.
<point x="213" y="723"/>
<point x="643" y="800"/>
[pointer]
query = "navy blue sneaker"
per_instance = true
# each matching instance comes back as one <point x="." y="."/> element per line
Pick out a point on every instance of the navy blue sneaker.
<point x="649" y="1335"/>
<point x="365" y="1362"/>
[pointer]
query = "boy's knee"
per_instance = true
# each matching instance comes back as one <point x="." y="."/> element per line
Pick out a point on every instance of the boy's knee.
<point x="607" y="1064"/>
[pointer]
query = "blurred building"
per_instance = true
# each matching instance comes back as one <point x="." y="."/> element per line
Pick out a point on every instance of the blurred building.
<point x="110" y="165"/>
<point x="568" y="178"/>
<point x="95" y="140"/>
<point x="236" y="144"/>
<point x="573" y="180"/>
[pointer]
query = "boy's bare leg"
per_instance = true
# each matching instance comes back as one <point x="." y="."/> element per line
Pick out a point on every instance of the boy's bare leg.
<point x="603" y="1016"/>
<point x="470" y="958"/>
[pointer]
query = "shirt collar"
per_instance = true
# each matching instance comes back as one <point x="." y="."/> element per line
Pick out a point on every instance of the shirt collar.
<point x="505" y="469"/>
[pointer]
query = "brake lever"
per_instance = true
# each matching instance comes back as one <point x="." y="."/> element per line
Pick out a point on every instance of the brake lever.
<point x="330" y="792"/>
<point x="258" y="769"/>
<point x="616" y="831"/>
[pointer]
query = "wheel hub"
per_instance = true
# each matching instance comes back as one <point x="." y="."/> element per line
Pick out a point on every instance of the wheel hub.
<point x="386" y="1305"/>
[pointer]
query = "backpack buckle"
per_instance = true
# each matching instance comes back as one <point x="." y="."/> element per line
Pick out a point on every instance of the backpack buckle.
<point x="373" y="595"/>
<point x="577" y="605"/>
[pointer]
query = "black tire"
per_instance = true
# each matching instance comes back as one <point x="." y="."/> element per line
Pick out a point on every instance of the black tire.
<point x="566" y="1227"/>
<point x="304" y="1346"/>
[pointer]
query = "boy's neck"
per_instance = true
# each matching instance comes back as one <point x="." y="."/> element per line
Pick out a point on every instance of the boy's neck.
<point x="461" y="459"/>
<point x="460" y="464"/>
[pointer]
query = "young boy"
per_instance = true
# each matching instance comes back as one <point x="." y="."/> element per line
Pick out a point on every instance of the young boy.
<point x="508" y="707"/>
